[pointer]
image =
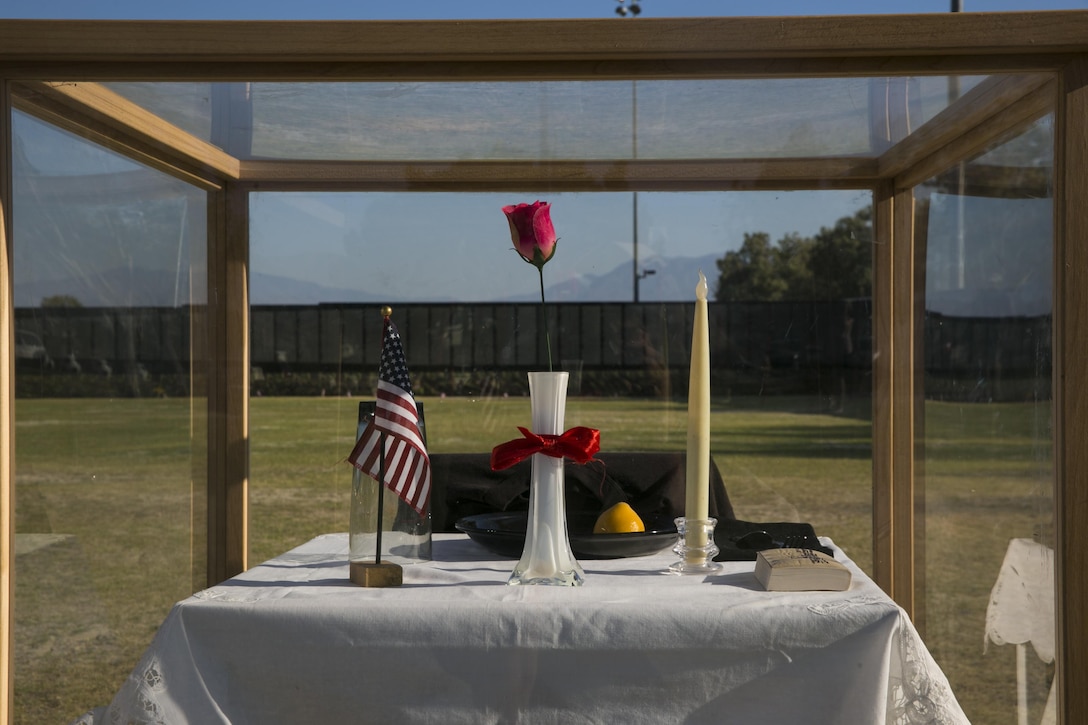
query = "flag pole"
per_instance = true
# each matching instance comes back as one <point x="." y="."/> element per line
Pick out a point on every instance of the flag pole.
<point x="381" y="498"/>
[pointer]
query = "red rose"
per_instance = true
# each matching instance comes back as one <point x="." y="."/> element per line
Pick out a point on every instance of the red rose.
<point x="532" y="231"/>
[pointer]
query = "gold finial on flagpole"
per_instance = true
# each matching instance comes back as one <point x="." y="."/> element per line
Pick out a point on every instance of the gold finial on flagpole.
<point x="386" y="310"/>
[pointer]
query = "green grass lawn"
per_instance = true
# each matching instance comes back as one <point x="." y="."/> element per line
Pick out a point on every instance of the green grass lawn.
<point x="105" y="504"/>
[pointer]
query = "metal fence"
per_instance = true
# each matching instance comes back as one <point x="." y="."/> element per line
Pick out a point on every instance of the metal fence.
<point x="594" y="336"/>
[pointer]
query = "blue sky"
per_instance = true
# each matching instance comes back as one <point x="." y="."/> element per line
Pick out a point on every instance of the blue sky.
<point x="453" y="9"/>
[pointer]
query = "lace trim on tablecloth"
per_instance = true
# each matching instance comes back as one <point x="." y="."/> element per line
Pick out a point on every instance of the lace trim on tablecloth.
<point x="919" y="693"/>
<point x="136" y="703"/>
<point x="838" y="606"/>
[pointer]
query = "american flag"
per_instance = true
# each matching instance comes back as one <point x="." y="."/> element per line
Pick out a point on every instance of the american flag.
<point x="407" y="467"/>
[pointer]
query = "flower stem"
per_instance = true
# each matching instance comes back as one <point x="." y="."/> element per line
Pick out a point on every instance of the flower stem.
<point x="544" y="310"/>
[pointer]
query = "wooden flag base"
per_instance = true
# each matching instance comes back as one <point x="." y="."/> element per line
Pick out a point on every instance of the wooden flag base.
<point x="373" y="574"/>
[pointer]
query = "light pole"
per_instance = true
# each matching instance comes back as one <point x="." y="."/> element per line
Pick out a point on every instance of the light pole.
<point x="623" y="10"/>
<point x="961" y="231"/>
<point x="641" y="276"/>
<point x="634" y="194"/>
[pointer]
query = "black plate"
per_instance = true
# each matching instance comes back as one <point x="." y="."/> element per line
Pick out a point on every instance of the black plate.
<point x="504" y="534"/>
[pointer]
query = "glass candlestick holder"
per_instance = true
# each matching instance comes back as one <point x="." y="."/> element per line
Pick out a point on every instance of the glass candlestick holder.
<point x="695" y="546"/>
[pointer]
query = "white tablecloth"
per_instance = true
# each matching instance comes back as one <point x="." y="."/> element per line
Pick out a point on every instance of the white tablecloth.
<point x="293" y="641"/>
<point x="1021" y="608"/>
<point x="1021" y="612"/>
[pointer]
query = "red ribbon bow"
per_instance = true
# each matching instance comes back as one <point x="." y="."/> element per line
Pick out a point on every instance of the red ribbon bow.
<point x="578" y="444"/>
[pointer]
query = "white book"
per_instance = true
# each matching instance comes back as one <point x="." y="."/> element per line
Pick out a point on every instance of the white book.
<point x="797" y="570"/>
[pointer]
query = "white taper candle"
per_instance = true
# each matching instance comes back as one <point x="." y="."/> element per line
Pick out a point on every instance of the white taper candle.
<point x="698" y="460"/>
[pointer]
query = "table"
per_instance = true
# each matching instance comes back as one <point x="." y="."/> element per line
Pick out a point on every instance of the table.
<point x="1021" y="611"/>
<point x="292" y="641"/>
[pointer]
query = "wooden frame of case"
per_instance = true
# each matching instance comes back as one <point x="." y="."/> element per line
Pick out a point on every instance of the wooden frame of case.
<point x="1048" y="52"/>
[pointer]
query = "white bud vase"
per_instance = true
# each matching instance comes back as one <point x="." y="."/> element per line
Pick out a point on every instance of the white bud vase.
<point x="547" y="557"/>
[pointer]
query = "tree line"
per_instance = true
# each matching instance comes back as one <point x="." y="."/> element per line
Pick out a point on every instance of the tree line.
<point x="835" y="263"/>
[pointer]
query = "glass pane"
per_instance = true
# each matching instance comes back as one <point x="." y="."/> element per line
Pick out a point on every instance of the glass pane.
<point x="186" y="105"/>
<point x="674" y="119"/>
<point x="791" y="366"/>
<point x="987" y="458"/>
<point x="109" y="430"/>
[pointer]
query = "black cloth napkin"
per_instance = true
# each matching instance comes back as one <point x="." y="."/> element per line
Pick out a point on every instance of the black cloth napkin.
<point x="730" y="537"/>
<point x="653" y="484"/>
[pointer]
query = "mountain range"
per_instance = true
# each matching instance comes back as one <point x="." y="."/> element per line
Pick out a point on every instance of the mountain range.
<point x="672" y="279"/>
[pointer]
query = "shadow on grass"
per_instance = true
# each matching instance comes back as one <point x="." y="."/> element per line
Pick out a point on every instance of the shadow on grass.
<point x="797" y="441"/>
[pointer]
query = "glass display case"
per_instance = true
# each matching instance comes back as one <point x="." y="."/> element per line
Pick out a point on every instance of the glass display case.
<point x="201" y="221"/>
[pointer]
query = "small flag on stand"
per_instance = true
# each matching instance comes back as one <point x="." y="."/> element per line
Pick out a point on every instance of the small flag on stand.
<point x="407" y="468"/>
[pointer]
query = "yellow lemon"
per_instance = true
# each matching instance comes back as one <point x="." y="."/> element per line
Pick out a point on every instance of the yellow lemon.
<point x="620" y="519"/>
